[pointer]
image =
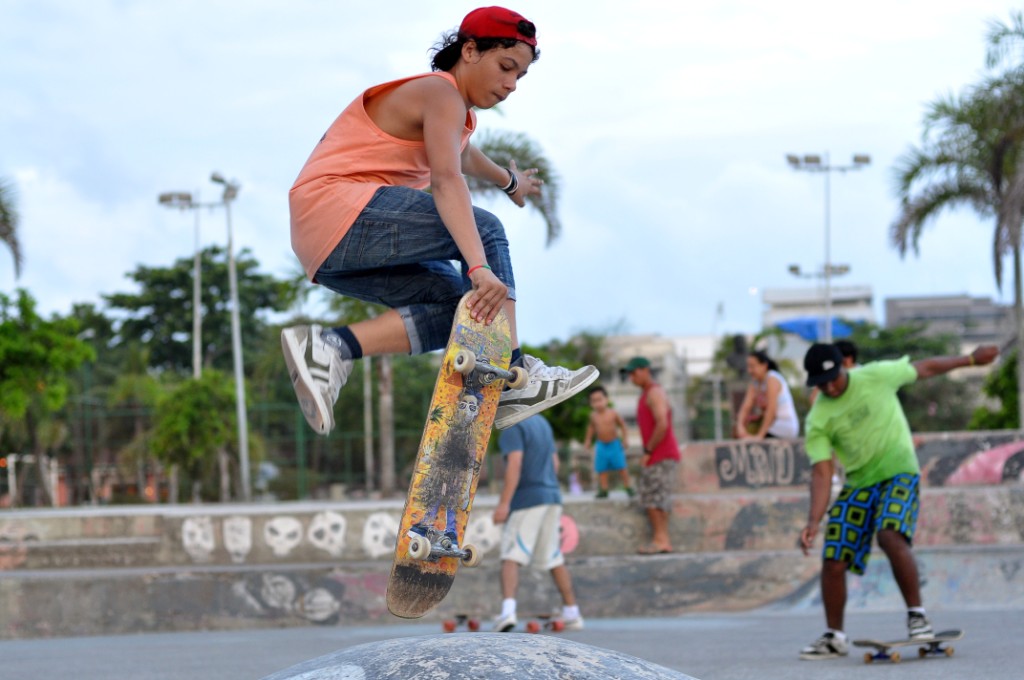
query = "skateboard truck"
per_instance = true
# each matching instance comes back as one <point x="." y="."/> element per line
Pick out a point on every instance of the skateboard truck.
<point x="435" y="545"/>
<point x="465" y="363"/>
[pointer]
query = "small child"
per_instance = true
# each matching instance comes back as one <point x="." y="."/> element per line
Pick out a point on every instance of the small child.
<point x="610" y="449"/>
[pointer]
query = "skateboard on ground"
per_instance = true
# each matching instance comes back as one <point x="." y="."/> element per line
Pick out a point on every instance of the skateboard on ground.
<point x="467" y="621"/>
<point x="429" y="549"/>
<point x="549" y="622"/>
<point x="932" y="646"/>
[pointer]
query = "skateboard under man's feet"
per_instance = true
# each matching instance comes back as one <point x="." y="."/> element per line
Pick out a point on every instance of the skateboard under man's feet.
<point x="929" y="646"/>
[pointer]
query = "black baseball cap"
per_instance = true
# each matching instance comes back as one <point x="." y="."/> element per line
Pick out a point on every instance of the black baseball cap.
<point x="822" y="363"/>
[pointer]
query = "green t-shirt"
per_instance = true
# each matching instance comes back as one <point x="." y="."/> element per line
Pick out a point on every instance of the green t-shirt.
<point x="866" y="425"/>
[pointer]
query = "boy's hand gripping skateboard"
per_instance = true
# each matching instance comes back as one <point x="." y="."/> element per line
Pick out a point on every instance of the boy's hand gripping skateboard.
<point x="931" y="646"/>
<point x="429" y="549"/>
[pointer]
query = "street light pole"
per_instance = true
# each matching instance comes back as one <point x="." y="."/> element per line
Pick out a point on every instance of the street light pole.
<point x="183" y="201"/>
<point x="814" y="163"/>
<point x="230" y="192"/>
<point x="197" y="303"/>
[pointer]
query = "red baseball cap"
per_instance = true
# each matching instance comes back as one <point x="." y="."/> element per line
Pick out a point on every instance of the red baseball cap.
<point x="498" y="22"/>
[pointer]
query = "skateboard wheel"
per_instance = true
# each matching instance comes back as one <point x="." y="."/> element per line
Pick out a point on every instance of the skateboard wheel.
<point x="948" y="651"/>
<point x="558" y="625"/>
<point x="419" y="548"/>
<point x="465" y="361"/>
<point x="519" y="378"/>
<point x="473" y="625"/>
<point x="896" y="658"/>
<point x="532" y="627"/>
<point x="472" y="557"/>
<point x="868" y="657"/>
<point x="449" y="626"/>
<point x="922" y="652"/>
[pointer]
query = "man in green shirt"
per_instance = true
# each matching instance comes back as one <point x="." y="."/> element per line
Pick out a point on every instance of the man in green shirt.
<point x="859" y="417"/>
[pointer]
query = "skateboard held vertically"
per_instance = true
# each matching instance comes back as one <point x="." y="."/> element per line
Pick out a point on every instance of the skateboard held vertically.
<point x="474" y="370"/>
<point x="931" y="646"/>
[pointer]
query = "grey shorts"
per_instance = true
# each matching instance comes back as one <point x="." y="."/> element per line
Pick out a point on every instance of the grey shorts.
<point x="657" y="484"/>
<point x="532" y="537"/>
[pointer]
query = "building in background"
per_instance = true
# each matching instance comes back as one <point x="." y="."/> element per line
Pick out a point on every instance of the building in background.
<point x="853" y="303"/>
<point x="974" y="320"/>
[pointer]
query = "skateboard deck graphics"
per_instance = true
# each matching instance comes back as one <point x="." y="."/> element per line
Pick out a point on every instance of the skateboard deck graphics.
<point x="447" y="467"/>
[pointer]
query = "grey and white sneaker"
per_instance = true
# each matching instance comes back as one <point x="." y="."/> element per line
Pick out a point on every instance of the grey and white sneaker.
<point x="504" y="624"/>
<point x="317" y="373"/>
<point x="828" y="646"/>
<point x="918" y="626"/>
<point x="547" y="386"/>
<point x="573" y="624"/>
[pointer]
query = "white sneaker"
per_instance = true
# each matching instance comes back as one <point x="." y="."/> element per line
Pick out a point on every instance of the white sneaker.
<point x="918" y="627"/>
<point x="503" y="624"/>
<point x="828" y="646"/>
<point x="573" y="624"/>
<point x="317" y="372"/>
<point x="547" y="386"/>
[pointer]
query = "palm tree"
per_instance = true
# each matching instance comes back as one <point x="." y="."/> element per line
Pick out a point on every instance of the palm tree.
<point x="1002" y="38"/>
<point x="9" y="223"/>
<point x="504" y="147"/>
<point x="971" y="156"/>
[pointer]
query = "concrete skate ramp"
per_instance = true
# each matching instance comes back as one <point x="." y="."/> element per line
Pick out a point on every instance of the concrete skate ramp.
<point x="477" y="655"/>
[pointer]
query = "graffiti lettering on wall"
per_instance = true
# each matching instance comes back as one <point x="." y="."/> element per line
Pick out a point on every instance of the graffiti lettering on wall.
<point x="324" y="532"/>
<point x="763" y="463"/>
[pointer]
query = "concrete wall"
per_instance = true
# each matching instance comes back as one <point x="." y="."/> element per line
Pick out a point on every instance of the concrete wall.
<point x="735" y="520"/>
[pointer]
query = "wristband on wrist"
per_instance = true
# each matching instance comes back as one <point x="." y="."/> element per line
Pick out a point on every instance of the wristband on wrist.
<point x="479" y="266"/>
<point x="513" y="183"/>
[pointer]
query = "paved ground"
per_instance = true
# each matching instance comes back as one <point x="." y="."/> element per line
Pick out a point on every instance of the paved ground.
<point x="747" y="646"/>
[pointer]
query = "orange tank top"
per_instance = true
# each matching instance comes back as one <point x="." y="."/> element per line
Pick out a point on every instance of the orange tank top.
<point x="352" y="161"/>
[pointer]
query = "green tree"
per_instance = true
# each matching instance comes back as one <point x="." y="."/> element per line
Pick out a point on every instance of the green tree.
<point x="1000" y="385"/>
<point x="159" y="315"/>
<point x="194" y="423"/>
<point x="569" y="419"/>
<point x="503" y="148"/>
<point x="9" y="224"/>
<point x="971" y="156"/>
<point x="137" y="392"/>
<point x="36" y="358"/>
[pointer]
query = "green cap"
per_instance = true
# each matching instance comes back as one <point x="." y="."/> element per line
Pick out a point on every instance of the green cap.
<point x="637" y="362"/>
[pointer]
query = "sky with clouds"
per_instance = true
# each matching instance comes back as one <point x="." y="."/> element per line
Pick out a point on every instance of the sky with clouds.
<point x="668" y="122"/>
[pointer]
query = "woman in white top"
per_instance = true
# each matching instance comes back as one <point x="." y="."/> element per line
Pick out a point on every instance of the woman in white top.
<point x="767" y="409"/>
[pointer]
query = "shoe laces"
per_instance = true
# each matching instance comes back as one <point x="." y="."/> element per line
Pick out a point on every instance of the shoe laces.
<point x="541" y="371"/>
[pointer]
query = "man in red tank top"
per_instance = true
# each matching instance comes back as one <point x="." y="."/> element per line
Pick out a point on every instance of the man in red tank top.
<point x="661" y="454"/>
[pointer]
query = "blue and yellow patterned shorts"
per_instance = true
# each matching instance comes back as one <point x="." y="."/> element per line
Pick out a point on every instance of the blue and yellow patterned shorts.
<point x="859" y="513"/>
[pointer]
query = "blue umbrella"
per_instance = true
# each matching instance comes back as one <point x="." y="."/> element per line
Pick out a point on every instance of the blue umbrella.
<point x="810" y="327"/>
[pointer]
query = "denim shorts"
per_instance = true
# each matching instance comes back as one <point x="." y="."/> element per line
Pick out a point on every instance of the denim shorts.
<point x="398" y="253"/>
<point x="860" y="513"/>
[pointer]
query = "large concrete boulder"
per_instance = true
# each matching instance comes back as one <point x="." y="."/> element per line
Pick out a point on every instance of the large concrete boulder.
<point x="477" y="655"/>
